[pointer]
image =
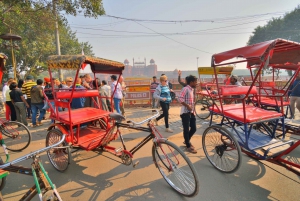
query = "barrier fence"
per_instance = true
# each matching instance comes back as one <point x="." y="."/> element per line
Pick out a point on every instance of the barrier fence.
<point x="138" y="91"/>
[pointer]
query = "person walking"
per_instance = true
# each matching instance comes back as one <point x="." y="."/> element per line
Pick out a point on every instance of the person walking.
<point x="117" y="90"/>
<point x="12" y="114"/>
<point x="187" y="113"/>
<point x="107" y="90"/>
<point x="294" y="95"/>
<point x="162" y="94"/>
<point x="18" y="100"/>
<point x="37" y="103"/>
<point x="26" y="89"/>
<point x="122" y="103"/>
<point x="4" y="90"/>
<point x="153" y="86"/>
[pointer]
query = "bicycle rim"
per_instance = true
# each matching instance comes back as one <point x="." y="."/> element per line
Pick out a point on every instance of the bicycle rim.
<point x="176" y="168"/>
<point x="16" y="135"/>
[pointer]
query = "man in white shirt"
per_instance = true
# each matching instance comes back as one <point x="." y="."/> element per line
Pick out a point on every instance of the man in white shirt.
<point x="116" y="89"/>
<point x="107" y="90"/>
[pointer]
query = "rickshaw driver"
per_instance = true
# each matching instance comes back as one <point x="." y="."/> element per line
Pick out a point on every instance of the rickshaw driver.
<point x="234" y="81"/>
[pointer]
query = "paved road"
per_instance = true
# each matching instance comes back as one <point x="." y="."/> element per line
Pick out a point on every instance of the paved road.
<point x="100" y="176"/>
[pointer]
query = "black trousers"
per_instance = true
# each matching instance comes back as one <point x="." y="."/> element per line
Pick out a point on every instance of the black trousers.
<point x="189" y="127"/>
<point x="165" y="107"/>
<point x="28" y="100"/>
<point x="13" y="114"/>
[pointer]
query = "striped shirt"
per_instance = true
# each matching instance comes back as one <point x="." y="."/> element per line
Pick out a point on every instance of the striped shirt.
<point x="187" y="96"/>
<point x="26" y="88"/>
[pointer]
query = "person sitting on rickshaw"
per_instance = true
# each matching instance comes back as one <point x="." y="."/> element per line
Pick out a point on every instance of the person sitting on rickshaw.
<point x="234" y="81"/>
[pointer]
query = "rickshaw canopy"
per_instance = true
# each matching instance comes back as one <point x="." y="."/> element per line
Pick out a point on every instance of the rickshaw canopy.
<point x="281" y="52"/>
<point x="226" y="70"/>
<point x="76" y="62"/>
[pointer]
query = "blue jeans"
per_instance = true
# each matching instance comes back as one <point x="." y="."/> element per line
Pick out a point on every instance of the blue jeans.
<point x="34" y="109"/>
<point x="117" y="105"/>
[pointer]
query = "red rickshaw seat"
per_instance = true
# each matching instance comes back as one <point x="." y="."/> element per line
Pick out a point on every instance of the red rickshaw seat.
<point x="252" y="113"/>
<point x="82" y="115"/>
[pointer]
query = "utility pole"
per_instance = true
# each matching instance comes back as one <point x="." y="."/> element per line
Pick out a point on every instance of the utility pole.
<point x="197" y="62"/>
<point x="57" y="37"/>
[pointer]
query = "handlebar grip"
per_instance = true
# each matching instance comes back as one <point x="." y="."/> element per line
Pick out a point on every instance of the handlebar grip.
<point x="129" y="122"/>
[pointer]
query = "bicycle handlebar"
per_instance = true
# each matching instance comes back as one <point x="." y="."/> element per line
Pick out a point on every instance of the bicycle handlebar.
<point x="146" y="120"/>
<point x="32" y="154"/>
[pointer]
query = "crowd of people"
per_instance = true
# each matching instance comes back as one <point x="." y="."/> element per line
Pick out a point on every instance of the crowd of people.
<point x="25" y="101"/>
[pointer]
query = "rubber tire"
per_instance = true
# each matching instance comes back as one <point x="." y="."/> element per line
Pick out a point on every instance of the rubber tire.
<point x="12" y="144"/>
<point x="200" y="104"/>
<point x="3" y="180"/>
<point x="54" y="136"/>
<point x="220" y="143"/>
<point x="157" y="158"/>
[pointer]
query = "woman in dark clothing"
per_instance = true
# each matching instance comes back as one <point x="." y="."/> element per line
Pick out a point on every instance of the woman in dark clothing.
<point x="13" y="115"/>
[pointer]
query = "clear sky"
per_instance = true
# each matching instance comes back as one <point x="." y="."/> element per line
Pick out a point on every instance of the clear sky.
<point x="222" y="25"/>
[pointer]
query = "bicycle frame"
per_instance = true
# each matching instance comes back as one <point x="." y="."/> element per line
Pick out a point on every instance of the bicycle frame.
<point x="154" y="134"/>
<point x="41" y="178"/>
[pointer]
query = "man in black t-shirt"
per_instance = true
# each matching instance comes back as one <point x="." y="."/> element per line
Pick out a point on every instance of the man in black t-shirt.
<point x="18" y="100"/>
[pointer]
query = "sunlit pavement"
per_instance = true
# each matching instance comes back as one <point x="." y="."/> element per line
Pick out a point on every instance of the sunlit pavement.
<point x="98" y="175"/>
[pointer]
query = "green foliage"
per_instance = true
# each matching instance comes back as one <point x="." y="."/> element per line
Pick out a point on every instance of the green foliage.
<point x="287" y="27"/>
<point x="34" y="21"/>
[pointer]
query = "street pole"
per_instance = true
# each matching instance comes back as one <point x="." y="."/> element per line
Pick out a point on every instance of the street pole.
<point x="197" y="62"/>
<point x="57" y="38"/>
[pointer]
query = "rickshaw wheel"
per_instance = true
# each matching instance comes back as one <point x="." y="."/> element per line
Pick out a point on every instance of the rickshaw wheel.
<point x="221" y="149"/>
<point x="59" y="157"/>
<point x="202" y="108"/>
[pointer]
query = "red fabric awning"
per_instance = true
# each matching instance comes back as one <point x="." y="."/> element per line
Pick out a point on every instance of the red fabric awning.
<point x="282" y="51"/>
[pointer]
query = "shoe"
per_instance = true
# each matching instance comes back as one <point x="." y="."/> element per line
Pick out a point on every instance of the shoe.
<point x="155" y="122"/>
<point x="191" y="150"/>
<point x="190" y="144"/>
<point x="39" y="123"/>
<point x="169" y="130"/>
<point x="33" y="126"/>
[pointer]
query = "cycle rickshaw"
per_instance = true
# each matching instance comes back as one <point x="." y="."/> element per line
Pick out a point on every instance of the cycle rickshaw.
<point x="91" y="128"/>
<point x="203" y="98"/>
<point x="244" y="127"/>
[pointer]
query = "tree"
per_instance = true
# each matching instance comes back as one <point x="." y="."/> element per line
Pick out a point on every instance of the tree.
<point x="287" y="27"/>
<point x="34" y="22"/>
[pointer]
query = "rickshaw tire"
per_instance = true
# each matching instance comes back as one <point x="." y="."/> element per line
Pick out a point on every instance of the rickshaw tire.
<point x="198" y="107"/>
<point x="54" y="136"/>
<point x="220" y="148"/>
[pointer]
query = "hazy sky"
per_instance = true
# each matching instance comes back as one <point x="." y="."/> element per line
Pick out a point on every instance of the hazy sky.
<point x="221" y="25"/>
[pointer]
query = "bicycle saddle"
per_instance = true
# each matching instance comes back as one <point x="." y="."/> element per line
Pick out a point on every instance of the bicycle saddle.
<point x="116" y="116"/>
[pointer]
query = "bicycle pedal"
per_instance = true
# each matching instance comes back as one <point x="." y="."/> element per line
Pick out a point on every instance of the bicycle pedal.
<point x="118" y="150"/>
<point x="135" y="164"/>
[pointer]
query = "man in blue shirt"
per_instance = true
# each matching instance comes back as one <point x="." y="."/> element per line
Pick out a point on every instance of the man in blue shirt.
<point x="295" y="96"/>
